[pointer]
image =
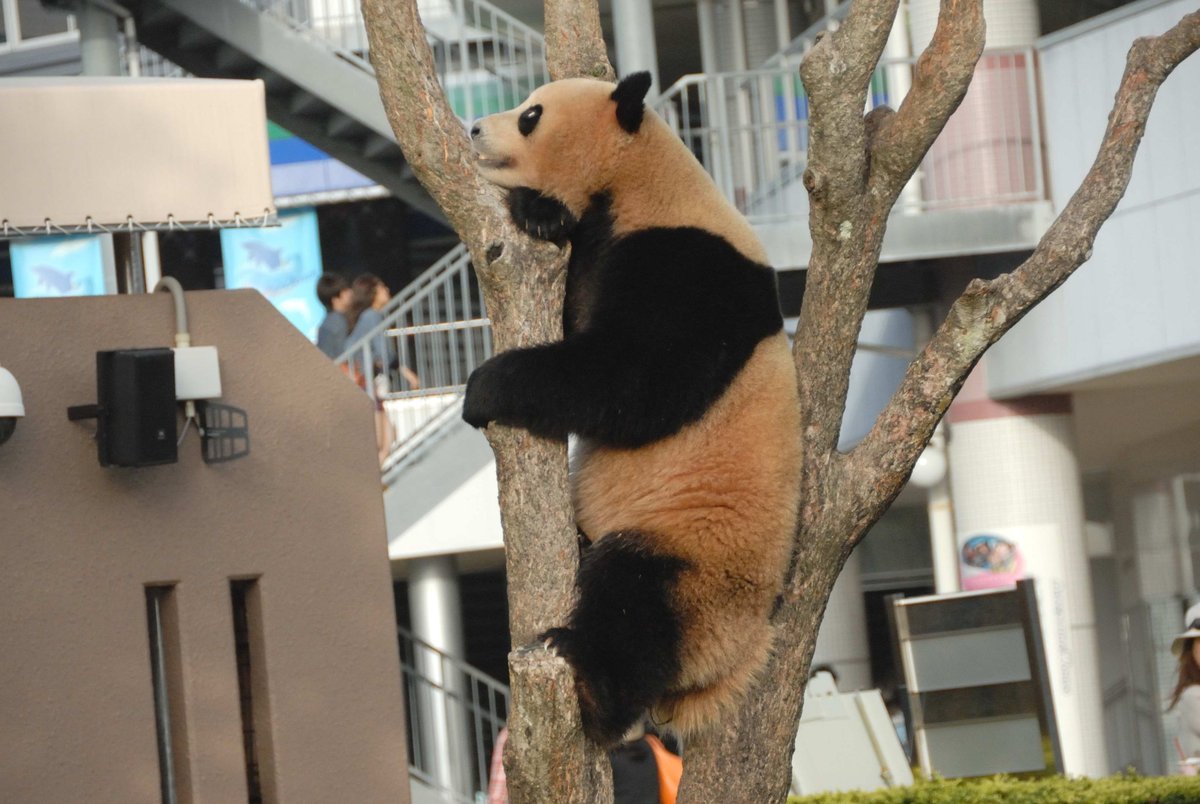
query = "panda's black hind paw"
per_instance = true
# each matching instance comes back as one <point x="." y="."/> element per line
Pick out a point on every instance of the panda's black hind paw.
<point x="540" y="215"/>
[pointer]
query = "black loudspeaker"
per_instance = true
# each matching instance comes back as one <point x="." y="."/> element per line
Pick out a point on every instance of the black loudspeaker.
<point x="135" y="409"/>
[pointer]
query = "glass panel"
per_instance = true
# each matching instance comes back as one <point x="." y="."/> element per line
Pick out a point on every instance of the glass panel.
<point x="982" y="749"/>
<point x="38" y="21"/>
<point x="992" y="656"/>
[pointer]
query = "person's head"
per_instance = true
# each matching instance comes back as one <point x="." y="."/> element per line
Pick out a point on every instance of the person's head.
<point x="367" y="290"/>
<point x="334" y="292"/>
<point x="1186" y="646"/>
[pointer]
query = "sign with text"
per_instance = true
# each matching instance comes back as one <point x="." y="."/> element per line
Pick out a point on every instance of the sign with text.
<point x="977" y="683"/>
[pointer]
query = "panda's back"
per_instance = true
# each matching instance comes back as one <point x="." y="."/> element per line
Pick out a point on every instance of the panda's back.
<point x="723" y="490"/>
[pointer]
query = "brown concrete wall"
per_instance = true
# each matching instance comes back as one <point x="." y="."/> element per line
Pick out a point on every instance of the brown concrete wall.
<point x="303" y="513"/>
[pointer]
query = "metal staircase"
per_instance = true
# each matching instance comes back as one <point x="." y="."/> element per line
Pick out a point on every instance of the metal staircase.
<point x="312" y="57"/>
<point x="455" y="714"/>
<point x="438" y="329"/>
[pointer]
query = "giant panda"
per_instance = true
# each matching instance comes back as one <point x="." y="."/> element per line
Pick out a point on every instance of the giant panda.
<point x="675" y="375"/>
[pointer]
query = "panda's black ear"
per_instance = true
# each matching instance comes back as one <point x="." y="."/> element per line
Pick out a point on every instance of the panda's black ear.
<point x="630" y="95"/>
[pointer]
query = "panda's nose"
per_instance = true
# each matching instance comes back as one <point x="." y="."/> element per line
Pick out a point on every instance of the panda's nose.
<point x="475" y="131"/>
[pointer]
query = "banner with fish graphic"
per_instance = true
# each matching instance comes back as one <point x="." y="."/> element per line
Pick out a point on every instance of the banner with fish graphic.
<point x="67" y="265"/>
<point x="280" y="262"/>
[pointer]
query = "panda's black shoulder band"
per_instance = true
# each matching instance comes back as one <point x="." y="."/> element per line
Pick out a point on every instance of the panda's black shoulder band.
<point x="541" y="216"/>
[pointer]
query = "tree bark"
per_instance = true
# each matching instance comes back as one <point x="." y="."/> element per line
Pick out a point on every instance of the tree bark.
<point x="523" y="284"/>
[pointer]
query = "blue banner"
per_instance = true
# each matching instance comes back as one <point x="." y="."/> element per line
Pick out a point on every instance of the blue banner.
<point x="70" y="265"/>
<point x="280" y="262"/>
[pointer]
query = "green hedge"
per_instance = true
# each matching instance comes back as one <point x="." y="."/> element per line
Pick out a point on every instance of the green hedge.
<point x="1124" y="789"/>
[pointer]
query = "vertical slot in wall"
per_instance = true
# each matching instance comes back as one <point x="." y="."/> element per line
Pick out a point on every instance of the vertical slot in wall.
<point x="252" y="689"/>
<point x="166" y="673"/>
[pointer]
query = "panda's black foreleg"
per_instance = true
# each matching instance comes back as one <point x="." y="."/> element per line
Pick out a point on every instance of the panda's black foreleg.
<point x="623" y="638"/>
<point x="586" y="385"/>
<point x="541" y="216"/>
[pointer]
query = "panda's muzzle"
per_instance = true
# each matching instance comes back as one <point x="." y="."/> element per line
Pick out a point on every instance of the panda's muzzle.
<point x="483" y="158"/>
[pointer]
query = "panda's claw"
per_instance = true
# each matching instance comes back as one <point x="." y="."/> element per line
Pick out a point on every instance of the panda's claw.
<point x="558" y="640"/>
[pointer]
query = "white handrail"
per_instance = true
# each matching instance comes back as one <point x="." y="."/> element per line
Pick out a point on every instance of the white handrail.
<point x="750" y="131"/>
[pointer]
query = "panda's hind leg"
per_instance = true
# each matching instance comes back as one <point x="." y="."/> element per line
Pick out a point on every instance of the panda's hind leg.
<point x="623" y="637"/>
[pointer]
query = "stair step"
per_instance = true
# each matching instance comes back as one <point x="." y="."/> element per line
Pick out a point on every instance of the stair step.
<point x="379" y="148"/>
<point x="193" y="37"/>
<point x="305" y="103"/>
<point x="275" y="83"/>
<point x="343" y="126"/>
<point x="230" y="59"/>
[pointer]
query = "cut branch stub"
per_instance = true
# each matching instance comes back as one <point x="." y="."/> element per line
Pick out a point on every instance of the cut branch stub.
<point x="543" y="729"/>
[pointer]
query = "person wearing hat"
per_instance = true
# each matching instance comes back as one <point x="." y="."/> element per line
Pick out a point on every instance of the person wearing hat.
<point x="1186" y="696"/>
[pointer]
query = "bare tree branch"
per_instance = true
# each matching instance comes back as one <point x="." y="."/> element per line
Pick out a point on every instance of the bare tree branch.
<point x="940" y="81"/>
<point x="574" y="43"/>
<point x="836" y="74"/>
<point x="430" y="134"/>
<point x="883" y="460"/>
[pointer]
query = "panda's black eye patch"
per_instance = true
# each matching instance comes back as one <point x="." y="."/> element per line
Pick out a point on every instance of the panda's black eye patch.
<point x="528" y="120"/>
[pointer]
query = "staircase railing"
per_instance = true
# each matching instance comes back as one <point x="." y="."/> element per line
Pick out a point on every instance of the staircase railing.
<point x="417" y="360"/>
<point x="750" y="131"/>
<point x="487" y="59"/>
<point x="455" y="714"/>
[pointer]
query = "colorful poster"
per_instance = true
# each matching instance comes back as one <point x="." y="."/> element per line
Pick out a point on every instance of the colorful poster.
<point x="280" y="262"/>
<point x="67" y="265"/>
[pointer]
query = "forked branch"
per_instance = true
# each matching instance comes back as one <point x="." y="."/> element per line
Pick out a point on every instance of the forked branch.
<point x="881" y="463"/>
<point x="574" y="42"/>
<point x="940" y="81"/>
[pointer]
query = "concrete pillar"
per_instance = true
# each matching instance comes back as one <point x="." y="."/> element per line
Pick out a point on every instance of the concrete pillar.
<point x="99" y="45"/>
<point x="1015" y="480"/>
<point x="442" y="720"/>
<point x="706" y="18"/>
<point x="633" y="36"/>
<point x="434" y="603"/>
<point x="737" y="37"/>
<point x="842" y="640"/>
<point x="783" y="25"/>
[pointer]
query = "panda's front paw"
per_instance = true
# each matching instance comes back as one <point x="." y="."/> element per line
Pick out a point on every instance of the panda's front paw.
<point x="479" y="400"/>
<point x="540" y="215"/>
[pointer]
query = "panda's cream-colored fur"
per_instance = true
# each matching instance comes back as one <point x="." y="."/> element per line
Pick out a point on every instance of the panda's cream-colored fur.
<point x="721" y="493"/>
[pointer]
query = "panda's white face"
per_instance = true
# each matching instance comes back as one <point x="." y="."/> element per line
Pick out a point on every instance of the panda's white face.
<point x="562" y="141"/>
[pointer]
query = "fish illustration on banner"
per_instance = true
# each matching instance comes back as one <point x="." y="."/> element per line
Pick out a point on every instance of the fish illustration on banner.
<point x="280" y="262"/>
<point x="67" y="265"/>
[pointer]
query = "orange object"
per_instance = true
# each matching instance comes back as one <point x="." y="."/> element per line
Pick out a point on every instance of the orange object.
<point x="670" y="770"/>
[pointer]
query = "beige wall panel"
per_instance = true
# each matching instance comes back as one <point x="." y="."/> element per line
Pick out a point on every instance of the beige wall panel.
<point x="302" y="511"/>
